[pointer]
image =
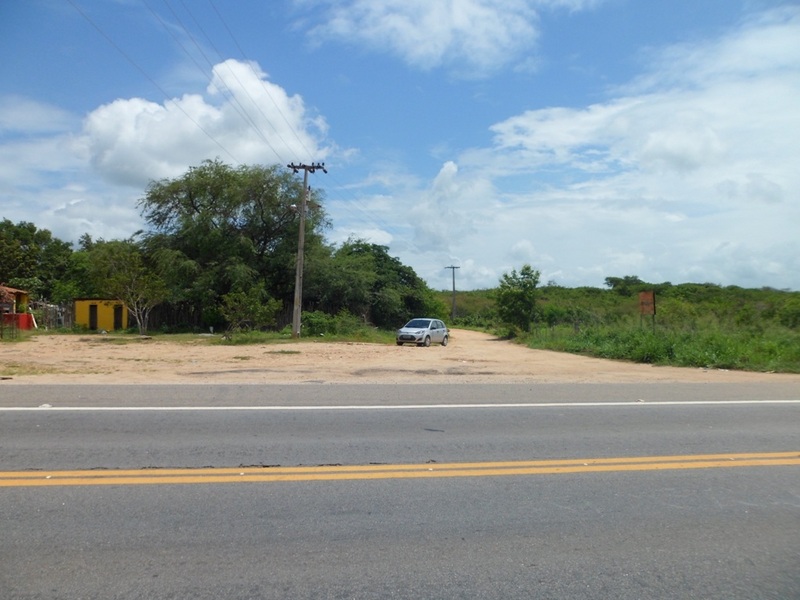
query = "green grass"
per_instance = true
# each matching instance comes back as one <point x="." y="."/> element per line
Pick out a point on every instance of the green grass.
<point x="368" y="335"/>
<point x="244" y="338"/>
<point x="775" y="350"/>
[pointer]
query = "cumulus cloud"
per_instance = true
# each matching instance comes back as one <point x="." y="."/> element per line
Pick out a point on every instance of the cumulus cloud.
<point x="439" y="215"/>
<point x="85" y="176"/>
<point x="243" y="119"/>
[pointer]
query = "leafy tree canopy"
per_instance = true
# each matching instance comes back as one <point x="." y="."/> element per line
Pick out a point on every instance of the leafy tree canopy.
<point x="248" y="310"/>
<point x="31" y="258"/>
<point x="363" y="279"/>
<point x="219" y="229"/>
<point x="119" y="270"/>
<point x="624" y="286"/>
<point x="516" y="297"/>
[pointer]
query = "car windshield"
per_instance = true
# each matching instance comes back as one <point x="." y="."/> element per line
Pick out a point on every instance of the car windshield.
<point x="418" y="323"/>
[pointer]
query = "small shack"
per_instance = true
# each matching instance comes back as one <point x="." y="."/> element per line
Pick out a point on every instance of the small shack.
<point x="101" y="313"/>
<point x="14" y="308"/>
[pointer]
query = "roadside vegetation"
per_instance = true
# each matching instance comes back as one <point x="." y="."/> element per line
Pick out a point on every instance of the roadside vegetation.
<point x="217" y="264"/>
<point x="695" y="325"/>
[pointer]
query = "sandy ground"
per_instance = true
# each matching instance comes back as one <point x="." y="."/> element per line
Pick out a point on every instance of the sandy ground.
<point x="470" y="357"/>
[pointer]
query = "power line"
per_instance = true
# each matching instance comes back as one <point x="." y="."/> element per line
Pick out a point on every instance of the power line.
<point x="246" y="116"/>
<point x="237" y="106"/>
<point x="151" y="80"/>
<point x="346" y="203"/>
<point x="266" y="89"/>
<point x="291" y="127"/>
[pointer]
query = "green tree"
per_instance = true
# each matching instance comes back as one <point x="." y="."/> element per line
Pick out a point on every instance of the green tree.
<point x="516" y="297"/>
<point x="31" y="258"/>
<point x="249" y="310"/>
<point x="624" y="286"/>
<point x="119" y="271"/>
<point x="341" y="278"/>
<point x="12" y="256"/>
<point x="218" y="229"/>
<point x="76" y="281"/>
<point x="364" y="280"/>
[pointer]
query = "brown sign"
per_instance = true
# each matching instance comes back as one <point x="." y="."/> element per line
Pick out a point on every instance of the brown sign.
<point x="647" y="303"/>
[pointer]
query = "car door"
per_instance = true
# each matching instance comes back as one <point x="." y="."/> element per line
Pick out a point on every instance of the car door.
<point x="437" y="331"/>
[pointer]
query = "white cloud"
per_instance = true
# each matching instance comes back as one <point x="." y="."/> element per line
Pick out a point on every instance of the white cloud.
<point x="89" y="181"/>
<point x="766" y="42"/>
<point x="685" y="173"/>
<point x="688" y="173"/>
<point x="20" y="114"/>
<point x="284" y="123"/>
<point x="101" y="211"/>
<point x="369" y="234"/>
<point x="472" y="36"/>
<point x="705" y="108"/>
<point x="245" y="119"/>
<point x="439" y="215"/>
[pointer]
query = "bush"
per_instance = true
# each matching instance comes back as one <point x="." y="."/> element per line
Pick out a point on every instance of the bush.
<point x="712" y="349"/>
<point x="319" y="323"/>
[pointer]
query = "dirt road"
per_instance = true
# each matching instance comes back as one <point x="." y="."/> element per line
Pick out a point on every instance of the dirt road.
<point x="471" y="357"/>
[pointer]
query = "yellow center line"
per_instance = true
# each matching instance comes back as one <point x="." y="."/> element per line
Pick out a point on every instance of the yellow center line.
<point x="401" y="471"/>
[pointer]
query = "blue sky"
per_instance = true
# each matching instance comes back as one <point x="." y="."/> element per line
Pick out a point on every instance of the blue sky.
<point x="587" y="138"/>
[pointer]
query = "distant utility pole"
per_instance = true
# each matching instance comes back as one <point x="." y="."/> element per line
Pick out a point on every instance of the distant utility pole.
<point x="301" y="242"/>
<point x="453" y="313"/>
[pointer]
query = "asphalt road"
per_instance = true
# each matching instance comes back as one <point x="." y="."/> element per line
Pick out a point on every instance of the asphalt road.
<point x="550" y="491"/>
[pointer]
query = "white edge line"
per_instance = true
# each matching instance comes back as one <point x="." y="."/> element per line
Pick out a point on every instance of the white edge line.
<point x="395" y="406"/>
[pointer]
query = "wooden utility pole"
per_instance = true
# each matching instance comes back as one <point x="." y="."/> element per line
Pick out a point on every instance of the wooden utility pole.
<point x="301" y="242"/>
<point x="453" y="312"/>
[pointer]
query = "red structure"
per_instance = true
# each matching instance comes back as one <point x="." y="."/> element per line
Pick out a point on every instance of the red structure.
<point x="11" y="300"/>
<point x="20" y="320"/>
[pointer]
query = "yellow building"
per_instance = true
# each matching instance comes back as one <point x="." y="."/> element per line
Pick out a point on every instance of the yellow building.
<point x="100" y="313"/>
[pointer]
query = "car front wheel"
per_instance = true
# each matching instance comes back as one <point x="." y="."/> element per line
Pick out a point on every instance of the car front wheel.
<point x="427" y="341"/>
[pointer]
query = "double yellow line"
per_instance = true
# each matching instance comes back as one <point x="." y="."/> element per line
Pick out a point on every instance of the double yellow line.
<point x="408" y="471"/>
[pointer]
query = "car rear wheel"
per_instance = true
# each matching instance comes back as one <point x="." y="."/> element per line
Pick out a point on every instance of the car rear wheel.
<point x="444" y="341"/>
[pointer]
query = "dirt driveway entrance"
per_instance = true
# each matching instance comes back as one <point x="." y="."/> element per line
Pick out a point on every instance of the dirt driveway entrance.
<point x="471" y="357"/>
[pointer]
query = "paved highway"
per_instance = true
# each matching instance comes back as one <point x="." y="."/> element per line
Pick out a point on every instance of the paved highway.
<point x="313" y="491"/>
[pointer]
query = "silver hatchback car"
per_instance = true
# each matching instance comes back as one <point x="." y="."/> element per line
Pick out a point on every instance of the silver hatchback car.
<point x="423" y="332"/>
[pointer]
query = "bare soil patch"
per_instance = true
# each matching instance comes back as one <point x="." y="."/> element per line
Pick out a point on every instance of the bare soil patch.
<point x="471" y="357"/>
